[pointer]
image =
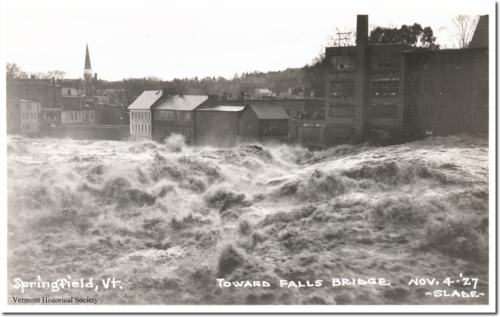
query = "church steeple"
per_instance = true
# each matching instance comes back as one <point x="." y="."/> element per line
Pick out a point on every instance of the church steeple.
<point x="87" y="72"/>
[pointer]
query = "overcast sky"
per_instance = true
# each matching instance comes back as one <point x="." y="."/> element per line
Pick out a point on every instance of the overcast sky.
<point x="170" y="39"/>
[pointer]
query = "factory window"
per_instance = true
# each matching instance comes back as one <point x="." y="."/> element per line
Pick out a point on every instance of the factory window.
<point x="384" y="88"/>
<point x="394" y="89"/>
<point x="342" y="110"/>
<point x="342" y="89"/>
<point x="385" y="110"/>
<point x="342" y="63"/>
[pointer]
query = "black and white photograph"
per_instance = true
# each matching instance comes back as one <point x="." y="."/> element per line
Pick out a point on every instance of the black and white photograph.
<point x="248" y="157"/>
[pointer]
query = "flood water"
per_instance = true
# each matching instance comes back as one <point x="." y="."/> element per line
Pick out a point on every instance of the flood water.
<point x="168" y="220"/>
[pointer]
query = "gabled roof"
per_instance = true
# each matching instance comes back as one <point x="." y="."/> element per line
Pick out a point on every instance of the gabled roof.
<point x="262" y="90"/>
<point x="181" y="103"/>
<point x="269" y="112"/>
<point x="146" y="100"/>
<point x="223" y="108"/>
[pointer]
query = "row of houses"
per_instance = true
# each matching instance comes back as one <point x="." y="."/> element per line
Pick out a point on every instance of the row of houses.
<point x="205" y="119"/>
<point x="60" y="103"/>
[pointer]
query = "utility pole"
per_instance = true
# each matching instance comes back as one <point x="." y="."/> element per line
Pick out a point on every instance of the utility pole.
<point x="343" y="36"/>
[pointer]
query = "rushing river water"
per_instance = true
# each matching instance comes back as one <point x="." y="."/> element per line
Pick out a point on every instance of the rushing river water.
<point x="169" y="220"/>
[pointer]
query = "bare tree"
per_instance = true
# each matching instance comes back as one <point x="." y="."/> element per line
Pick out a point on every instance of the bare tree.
<point x="57" y="74"/>
<point x="14" y="71"/>
<point x="461" y="29"/>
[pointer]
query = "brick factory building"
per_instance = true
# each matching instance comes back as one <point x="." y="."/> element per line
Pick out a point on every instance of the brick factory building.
<point x="395" y="92"/>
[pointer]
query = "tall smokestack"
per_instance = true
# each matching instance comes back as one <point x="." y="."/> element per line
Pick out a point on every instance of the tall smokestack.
<point x="360" y="99"/>
<point x="362" y="30"/>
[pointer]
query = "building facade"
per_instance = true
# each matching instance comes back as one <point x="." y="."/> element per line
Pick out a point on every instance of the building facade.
<point x="141" y="124"/>
<point x="217" y="126"/>
<point x="263" y="123"/>
<point x="23" y="116"/>
<point x="446" y="92"/>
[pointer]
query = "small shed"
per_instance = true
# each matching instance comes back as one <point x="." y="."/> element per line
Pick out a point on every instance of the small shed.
<point x="262" y="122"/>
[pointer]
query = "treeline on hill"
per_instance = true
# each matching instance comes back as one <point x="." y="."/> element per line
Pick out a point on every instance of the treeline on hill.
<point x="308" y="80"/>
<point x="278" y="82"/>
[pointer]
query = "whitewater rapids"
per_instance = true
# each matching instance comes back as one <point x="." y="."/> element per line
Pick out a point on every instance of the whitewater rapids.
<point x="169" y="221"/>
